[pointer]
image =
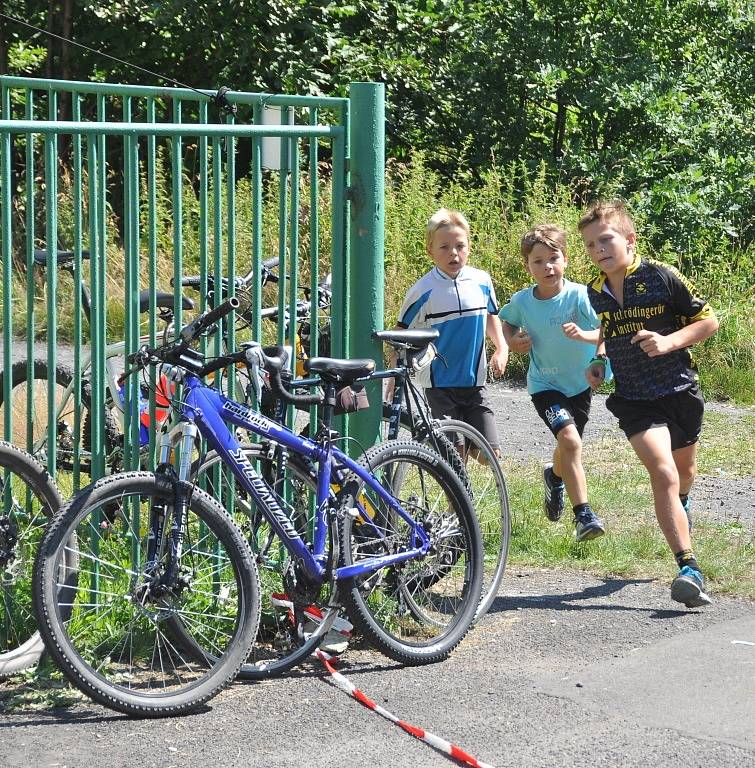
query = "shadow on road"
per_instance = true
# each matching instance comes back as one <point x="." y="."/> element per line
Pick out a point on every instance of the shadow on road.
<point x="574" y="601"/>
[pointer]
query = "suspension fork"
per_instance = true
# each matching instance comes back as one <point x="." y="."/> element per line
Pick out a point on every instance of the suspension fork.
<point x="175" y="480"/>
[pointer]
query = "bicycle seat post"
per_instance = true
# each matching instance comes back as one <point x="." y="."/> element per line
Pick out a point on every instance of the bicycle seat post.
<point x="329" y="404"/>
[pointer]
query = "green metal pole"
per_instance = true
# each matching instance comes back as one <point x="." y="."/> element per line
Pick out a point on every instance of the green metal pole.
<point x="5" y="224"/>
<point x="30" y="287"/>
<point x="365" y="268"/>
<point x="152" y="268"/>
<point x="51" y="239"/>
<point x="78" y="181"/>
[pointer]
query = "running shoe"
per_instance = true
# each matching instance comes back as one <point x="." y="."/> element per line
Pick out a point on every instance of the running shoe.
<point x="554" y="495"/>
<point x="587" y="525"/>
<point x="687" y="507"/>
<point x="689" y="588"/>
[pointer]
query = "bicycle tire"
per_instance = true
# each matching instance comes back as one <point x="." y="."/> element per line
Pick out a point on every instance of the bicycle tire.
<point x="28" y="499"/>
<point x="286" y="637"/>
<point x="66" y="438"/>
<point x="447" y="581"/>
<point x="490" y="500"/>
<point x="415" y="429"/>
<point x="106" y="628"/>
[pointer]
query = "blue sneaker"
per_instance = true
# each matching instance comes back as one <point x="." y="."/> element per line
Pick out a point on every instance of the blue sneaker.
<point x="587" y="525"/>
<point x="687" y="507"/>
<point x="688" y="588"/>
<point x="554" y="495"/>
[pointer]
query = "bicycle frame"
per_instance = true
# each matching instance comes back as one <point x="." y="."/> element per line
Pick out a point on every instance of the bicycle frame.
<point x="210" y="411"/>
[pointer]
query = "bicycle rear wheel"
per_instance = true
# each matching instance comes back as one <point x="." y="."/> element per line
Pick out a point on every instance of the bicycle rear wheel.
<point x="490" y="500"/>
<point x="31" y="396"/>
<point x="28" y="498"/>
<point x="108" y="624"/>
<point x="417" y="611"/>
<point x="295" y="617"/>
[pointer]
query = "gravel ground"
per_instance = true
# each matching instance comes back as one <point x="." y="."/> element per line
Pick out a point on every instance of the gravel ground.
<point x="523" y="434"/>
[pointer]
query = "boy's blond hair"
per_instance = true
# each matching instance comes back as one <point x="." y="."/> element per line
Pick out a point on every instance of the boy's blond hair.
<point x="549" y="235"/>
<point x="445" y="217"/>
<point x="609" y="211"/>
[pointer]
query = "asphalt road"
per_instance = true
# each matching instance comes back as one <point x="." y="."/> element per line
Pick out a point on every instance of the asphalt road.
<point x="567" y="670"/>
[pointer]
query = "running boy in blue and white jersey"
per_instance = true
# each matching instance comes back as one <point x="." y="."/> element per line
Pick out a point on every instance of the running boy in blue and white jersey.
<point x="554" y="322"/>
<point x="459" y="302"/>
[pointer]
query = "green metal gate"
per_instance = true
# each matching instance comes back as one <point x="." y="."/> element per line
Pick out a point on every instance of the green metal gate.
<point x="153" y="184"/>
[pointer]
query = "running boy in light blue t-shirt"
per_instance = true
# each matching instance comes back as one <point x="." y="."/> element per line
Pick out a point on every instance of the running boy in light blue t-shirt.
<point x="554" y="322"/>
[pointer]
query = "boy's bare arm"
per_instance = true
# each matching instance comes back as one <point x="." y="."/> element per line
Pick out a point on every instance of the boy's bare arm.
<point x="655" y="345"/>
<point x="517" y="338"/>
<point x="595" y="373"/>
<point x="573" y="331"/>
<point x="501" y="355"/>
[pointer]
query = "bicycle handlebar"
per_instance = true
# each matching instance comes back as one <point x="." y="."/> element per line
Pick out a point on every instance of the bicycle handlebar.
<point x="204" y="321"/>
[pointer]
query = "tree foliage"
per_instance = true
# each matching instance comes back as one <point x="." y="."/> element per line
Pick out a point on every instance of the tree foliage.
<point x="649" y="99"/>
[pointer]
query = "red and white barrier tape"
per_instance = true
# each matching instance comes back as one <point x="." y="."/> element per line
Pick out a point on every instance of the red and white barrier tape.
<point x="343" y="627"/>
<point x="429" y="738"/>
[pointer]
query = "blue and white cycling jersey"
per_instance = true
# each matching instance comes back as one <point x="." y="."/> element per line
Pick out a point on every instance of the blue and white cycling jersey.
<point x="458" y="309"/>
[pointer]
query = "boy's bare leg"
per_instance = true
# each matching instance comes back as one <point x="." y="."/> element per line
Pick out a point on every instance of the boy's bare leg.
<point x="686" y="465"/>
<point x="567" y="464"/>
<point x="653" y="448"/>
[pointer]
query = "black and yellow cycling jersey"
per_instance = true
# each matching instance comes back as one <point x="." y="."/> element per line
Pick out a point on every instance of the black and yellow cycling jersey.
<point x="656" y="298"/>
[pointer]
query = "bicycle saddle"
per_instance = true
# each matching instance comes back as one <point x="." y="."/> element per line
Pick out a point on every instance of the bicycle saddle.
<point x="62" y="257"/>
<point x="162" y="299"/>
<point x="339" y="371"/>
<point x="414" y="338"/>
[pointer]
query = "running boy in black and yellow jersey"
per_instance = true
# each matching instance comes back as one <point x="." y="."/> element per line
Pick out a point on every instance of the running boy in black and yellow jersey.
<point x="649" y="317"/>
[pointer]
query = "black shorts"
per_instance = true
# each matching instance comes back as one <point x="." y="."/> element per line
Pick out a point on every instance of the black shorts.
<point x="681" y="412"/>
<point x="468" y="404"/>
<point x="558" y="411"/>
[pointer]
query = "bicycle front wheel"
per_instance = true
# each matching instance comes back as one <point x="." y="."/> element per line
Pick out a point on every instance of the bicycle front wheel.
<point x="416" y="611"/>
<point x="108" y="624"/>
<point x="295" y="617"/>
<point x="28" y="500"/>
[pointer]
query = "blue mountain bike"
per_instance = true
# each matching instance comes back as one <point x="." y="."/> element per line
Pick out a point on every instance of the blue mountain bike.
<point x="163" y="607"/>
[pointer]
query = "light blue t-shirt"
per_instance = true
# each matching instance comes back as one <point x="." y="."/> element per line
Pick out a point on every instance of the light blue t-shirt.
<point x="556" y="362"/>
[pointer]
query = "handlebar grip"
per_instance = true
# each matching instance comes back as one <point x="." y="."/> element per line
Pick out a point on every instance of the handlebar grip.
<point x="269" y="312"/>
<point x="203" y="322"/>
<point x="194" y="281"/>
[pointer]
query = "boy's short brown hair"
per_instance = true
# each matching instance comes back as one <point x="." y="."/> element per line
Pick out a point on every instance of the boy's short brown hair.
<point x="610" y="211"/>
<point x="549" y="235"/>
<point x="445" y="217"/>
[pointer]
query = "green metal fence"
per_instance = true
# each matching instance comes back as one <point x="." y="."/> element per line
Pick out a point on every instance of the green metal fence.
<point x="153" y="184"/>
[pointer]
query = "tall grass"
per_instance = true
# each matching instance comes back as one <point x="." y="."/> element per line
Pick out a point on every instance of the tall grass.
<point x="498" y="214"/>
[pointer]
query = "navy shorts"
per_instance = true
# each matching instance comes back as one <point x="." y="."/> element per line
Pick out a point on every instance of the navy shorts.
<point x="558" y="410"/>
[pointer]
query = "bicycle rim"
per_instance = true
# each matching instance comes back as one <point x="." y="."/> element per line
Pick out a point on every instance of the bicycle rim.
<point x="27" y="499"/>
<point x="487" y="486"/>
<point x="419" y="610"/>
<point x="110" y="626"/>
